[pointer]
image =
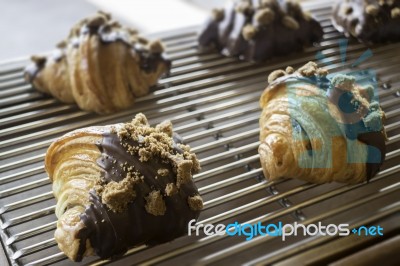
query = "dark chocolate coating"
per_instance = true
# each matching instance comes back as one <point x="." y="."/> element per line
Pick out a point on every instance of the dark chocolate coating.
<point x="113" y="233"/>
<point x="148" y="61"/>
<point x="370" y="21"/>
<point x="33" y="69"/>
<point x="374" y="140"/>
<point x="271" y="39"/>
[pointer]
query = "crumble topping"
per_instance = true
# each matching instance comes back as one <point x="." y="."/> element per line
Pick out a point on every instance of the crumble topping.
<point x="148" y="143"/>
<point x="155" y="204"/>
<point x="195" y="203"/>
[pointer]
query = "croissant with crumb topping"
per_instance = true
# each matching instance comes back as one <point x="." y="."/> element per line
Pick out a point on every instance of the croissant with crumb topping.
<point x="101" y="66"/>
<point x="369" y="21"/>
<point x="121" y="186"/>
<point x="257" y="30"/>
<point x="320" y="128"/>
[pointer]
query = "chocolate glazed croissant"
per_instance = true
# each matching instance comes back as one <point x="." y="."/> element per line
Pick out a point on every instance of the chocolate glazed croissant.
<point x="370" y="21"/>
<point x="101" y="66"/>
<point x="256" y="30"/>
<point x="320" y="129"/>
<point x="121" y="186"/>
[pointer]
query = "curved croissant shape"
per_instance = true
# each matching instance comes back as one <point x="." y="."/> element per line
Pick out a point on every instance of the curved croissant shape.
<point x="121" y="186"/>
<point x="320" y="128"/>
<point x="256" y="30"/>
<point x="101" y="66"/>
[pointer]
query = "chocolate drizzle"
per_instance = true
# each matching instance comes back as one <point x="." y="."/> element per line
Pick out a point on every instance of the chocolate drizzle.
<point x="101" y="66"/>
<point x="370" y="21"/>
<point x="112" y="32"/>
<point x="32" y="70"/>
<point x="258" y="30"/>
<point x="82" y="236"/>
<point x="112" y="233"/>
<point x="150" y="61"/>
<point x="108" y="32"/>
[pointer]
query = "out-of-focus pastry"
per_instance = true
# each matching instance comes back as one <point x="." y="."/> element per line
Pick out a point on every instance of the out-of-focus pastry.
<point x="121" y="186"/>
<point x="370" y="21"/>
<point x="320" y="128"/>
<point x="260" y="29"/>
<point x="101" y="66"/>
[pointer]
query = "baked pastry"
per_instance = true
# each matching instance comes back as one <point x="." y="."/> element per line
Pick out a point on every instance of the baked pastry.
<point x="101" y="66"/>
<point x="370" y="21"/>
<point x="260" y="29"/>
<point x="121" y="186"/>
<point x="320" y="128"/>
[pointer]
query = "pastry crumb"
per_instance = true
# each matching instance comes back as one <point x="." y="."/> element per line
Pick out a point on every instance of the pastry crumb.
<point x="183" y="172"/>
<point x="171" y="189"/>
<point x="372" y="10"/>
<point x="264" y="16"/>
<point x="290" y="23"/>
<point x="289" y="70"/>
<point x="343" y="82"/>
<point x="249" y="32"/>
<point x="146" y="142"/>
<point x="156" y="47"/>
<point x="395" y="12"/>
<point x="155" y="204"/>
<point x="117" y="195"/>
<point x="163" y="172"/>
<point x="309" y="69"/>
<point x="275" y="75"/>
<point x="244" y="7"/>
<point x="195" y="203"/>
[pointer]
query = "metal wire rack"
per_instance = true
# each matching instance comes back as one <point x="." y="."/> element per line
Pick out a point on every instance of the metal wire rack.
<point x="213" y="103"/>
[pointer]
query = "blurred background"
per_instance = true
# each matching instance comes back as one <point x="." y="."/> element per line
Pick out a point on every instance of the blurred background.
<point x="34" y="26"/>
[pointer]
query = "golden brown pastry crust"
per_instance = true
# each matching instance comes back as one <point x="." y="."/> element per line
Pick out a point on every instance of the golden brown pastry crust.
<point x="296" y="133"/>
<point x="102" y="66"/>
<point x="110" y="179"/>
<point x="71" y="165"/>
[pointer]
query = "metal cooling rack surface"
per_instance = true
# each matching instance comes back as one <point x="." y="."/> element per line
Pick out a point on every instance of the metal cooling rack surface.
<point x="213" y="103"/>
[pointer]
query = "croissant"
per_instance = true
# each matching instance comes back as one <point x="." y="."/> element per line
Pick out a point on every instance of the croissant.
<point x="121" y="186"/>
<point x="101" y="66"/>
<point x="258" y="30"/>
<point x="320" y="128"/>
<point x="370" y="21"/>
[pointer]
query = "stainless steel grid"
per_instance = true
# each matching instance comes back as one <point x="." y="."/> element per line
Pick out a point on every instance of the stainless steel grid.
<point x="213" y="103"/>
